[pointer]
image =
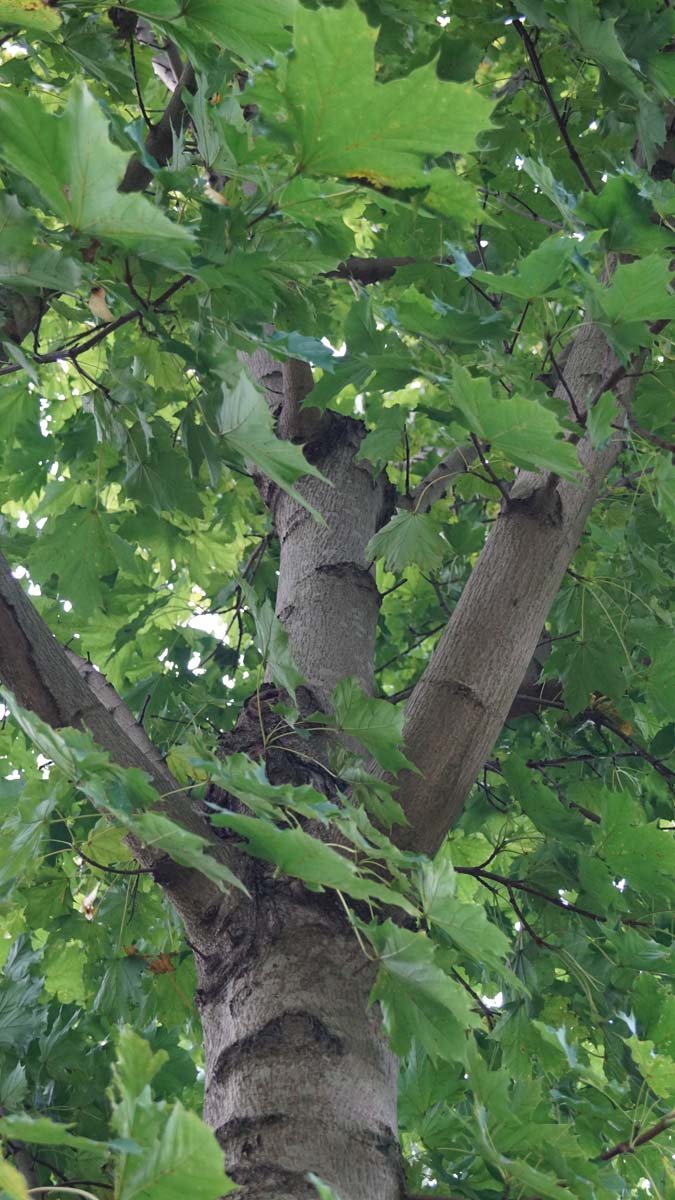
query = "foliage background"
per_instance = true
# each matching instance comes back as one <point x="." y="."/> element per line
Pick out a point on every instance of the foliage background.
<point x="532" y="1001"/>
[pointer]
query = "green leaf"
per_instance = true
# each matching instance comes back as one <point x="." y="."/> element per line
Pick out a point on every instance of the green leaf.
<point x="244" y="420"/>
<point x="294" y="852"/>
<point x="639" y="291"/>
<point x="418" y="999"/>
<point x="344" y="123"/>
<point x="77" y="547"/>
<point x="72" y="162"/>
<point x="272" y="643"/>
<point x="590" y="669"/>
<point x="13" y="1087"/>
<point x="184" y="1159"/>
<point x="520" y="428"/>
<point x="539" y="272"/>
<point x="25" y="829"/>
<point x="64" y="972"/>
<point x="29" y="15"/>
<point x="25" y="263"/>
<point x="625" y="215"/>
<point x="600" y="419"/>
<point x="134" y="1070"/>
<point x="382" y="442"/>
<point x="409" y="537"/>
<point x="376" y="724"/>
<point x="600" y="41"/>
<point x="180" y="1153"/>
<point x="664" y="474"/>
<point x="12" y="1181"/>
<point x="188" y="849"/>
<point x="41" y="1131"/>
<point x="249" y="31"/>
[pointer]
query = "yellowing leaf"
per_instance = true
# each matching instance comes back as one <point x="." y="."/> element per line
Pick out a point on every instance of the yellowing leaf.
<point x="29" y="14"/>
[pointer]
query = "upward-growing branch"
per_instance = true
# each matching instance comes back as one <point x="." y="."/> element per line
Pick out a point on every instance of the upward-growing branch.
<point x="66" y="691"/>
<point x="460" y="704"/>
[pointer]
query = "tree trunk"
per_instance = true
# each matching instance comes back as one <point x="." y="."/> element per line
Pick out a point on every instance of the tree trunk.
<point x="283" y="997"/>
<point x="284" y="985"/>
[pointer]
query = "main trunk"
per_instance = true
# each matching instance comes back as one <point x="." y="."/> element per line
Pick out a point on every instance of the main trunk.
<point x="298" y="1077"/>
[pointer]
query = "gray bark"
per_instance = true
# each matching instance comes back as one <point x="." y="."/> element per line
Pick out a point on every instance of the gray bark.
<point x="460" y="704"/>
<point x="298" y="1077"/>
<point x="326" y="596"/>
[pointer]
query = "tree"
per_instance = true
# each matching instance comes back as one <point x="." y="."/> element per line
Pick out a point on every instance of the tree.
<point x="335" y="641"/>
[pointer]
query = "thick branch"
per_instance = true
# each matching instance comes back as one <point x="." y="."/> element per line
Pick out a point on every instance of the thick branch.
<point x="65" y="690"/>
<point x="326" y="596"/>
<point x="463" y="698"/>
<point x="160" y="138"/>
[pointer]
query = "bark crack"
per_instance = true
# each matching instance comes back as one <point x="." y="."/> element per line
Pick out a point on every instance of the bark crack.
<point x="288" y="1034"/>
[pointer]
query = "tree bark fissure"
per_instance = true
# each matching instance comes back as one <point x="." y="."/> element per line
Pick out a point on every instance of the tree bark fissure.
<point x="326" y="595"/>
<point x="287" y="1029"/>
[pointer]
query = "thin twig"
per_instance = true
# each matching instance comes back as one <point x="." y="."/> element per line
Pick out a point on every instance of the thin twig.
<point x="493" y="478"/>
<point x="579" y="416"/>
<point x="492" y="300"/>
<point x="538" y="941"/>
<point x="529" y="213"/>
<point x="70" y="355"/>
<point x="519" y="326"/>
<point x="600" y="718"/>
<point x="139" y="94"/>
<point x="541" y="79"/>
<point x="114" y="870"/>
<point x="489" y="1016"/>
<point x="633" y="1144"/>
<point x="521" y="886"/>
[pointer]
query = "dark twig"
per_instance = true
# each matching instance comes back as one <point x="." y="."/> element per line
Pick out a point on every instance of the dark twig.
<point x="114" y="870"/>
<point x="406" y="440"/>
<point x="492" y="300"/>
<point x="632" y="1144"/>
<point x="493" y="478"/>
<point x="510" y="348"/>
<point x="579" y="416"/>
<point x="541" y="79"/>
<point x="482" y="1006"/>
<point x="601" y="718"/>
<point x="528" y="213"/>
<point x="539" y="941"/>
<point x="102" y="333"/>
<point x="521" y="886"/>
<point x="139" y="94"/>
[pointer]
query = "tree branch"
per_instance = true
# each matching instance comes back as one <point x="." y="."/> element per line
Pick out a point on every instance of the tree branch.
<point x="543" y="82"/>
<point x="65" y="690"/>
<point x="463" y="698"/>
<point x="93" y="339"/>
<point x="160" y="138"/>
<point x="633" y="1143"/>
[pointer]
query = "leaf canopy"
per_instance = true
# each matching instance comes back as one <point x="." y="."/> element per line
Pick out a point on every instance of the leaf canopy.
<point x="387" y="192"/>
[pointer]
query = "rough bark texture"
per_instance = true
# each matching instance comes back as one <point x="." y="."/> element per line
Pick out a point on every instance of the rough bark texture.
<point x="463" y="699"/>
<point x="283" y="984"/>
<point x="298" y="1078"/>
<point x="326" y="597"/>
